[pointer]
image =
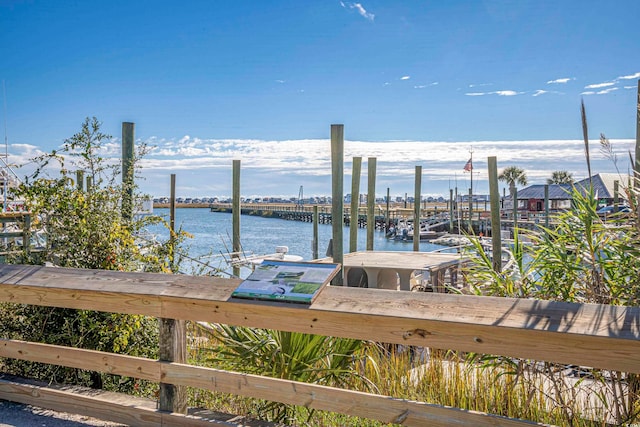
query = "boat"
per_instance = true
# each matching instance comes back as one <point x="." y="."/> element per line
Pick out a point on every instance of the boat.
<point x="404" y="231"/>
<point x="244" y="259"/>
<point x="426" y="233"/>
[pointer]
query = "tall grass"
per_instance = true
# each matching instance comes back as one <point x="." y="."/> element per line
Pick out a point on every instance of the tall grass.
<point x="434" y="376"/>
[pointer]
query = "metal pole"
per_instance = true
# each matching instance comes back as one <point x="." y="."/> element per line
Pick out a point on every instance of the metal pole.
<point x="451" y="224"/>
<point x="470" y="227"/>
<point x="546" y="206"/>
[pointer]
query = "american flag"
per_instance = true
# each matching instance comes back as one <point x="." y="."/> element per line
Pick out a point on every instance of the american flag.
<point x="468" y="167"/>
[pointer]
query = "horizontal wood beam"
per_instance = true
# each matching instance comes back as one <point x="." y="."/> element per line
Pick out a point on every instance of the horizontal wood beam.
<point x="353" y="403"/>
<point x="90" y="360"/>
<point x="593" y="335"/>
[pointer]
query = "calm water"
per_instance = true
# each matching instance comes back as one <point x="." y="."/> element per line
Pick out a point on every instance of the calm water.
<point x="212" y="235"/>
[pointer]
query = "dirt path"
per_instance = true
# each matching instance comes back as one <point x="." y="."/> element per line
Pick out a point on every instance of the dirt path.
<point x="17" y="415"/>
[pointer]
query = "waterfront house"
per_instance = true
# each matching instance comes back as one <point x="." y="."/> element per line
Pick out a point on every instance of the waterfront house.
<point x="531" y="199"/>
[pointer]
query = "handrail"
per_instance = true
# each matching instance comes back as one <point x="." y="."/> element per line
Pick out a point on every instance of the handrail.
<point x="594" y="335"/>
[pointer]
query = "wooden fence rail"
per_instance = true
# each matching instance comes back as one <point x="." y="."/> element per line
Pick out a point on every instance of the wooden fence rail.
<point x="593" y="335"/>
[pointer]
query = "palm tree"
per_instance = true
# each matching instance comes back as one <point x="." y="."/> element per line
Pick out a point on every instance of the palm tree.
<point x="560" y="177"/>
<point x="513" y="175"/>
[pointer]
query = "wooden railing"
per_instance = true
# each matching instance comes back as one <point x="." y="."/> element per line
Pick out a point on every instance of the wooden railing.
<point x="593" y="335"/>
<point x="21" y="230"/>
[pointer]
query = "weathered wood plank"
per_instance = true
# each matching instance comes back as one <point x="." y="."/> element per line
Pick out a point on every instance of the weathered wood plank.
<point x="91" y="360"/>
<point x="584" y="334"/>
<point x="381" y="408"/>
<point x="365" y="405"/>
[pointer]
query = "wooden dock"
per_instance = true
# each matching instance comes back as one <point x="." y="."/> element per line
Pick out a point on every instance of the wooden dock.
<point x="304" y="213"/>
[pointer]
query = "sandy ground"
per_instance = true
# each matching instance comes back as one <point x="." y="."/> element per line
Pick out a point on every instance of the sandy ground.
<point x="17" y="415"/>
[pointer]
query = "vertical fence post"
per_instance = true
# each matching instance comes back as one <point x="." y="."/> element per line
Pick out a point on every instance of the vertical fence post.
<point x="355" y="203"/>
<point x="173" y="334"/>
<point x="127" y="170"/>
<point x="235" y="215"/>
<point x="337" y="202"/>
<point x="494" y="195"/>
<point x="416" y="209"/>
<point x="173" y="348"/>
<point x="371" y="201"/>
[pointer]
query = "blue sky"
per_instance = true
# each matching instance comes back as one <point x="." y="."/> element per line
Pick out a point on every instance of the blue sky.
<point x="414" y="83"/>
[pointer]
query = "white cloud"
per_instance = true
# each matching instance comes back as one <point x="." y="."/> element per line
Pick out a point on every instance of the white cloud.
<point x="630" y="77"/>
<point x="540" y="92"/>
<point x="480" y="84"/>
<point x="280" y="81"/>
<point x="589" y="92"/>
<point x="272" y="167"/>
<point x="599" y="85"/>
<point x="405" y="77"/>
<point x="425" y="86"/>
<point x="506" y="93"/>
<point x="206" y="161"/>
<point x="629" y="87"/>
<point x="360" y="9"/>
<point x="560" y="81"/>
<point x="497" y="92"/>
<point x="605" y="91"/>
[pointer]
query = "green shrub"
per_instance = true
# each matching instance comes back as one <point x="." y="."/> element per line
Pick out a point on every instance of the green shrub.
<point x="84" y="228"/>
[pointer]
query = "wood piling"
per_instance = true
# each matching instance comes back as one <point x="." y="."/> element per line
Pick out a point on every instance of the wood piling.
<point x="494" y="195"/>
<point x="173" y="333"/>
<point x="128" y="129"/>
<point x="337" y="190"/>
<point x="355" y="203"/>
<point x="371" y="200"/>
<point x="416" y="208"/>
<point x="235" y="220"/>
<point x="314" y="245"/>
